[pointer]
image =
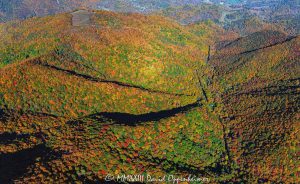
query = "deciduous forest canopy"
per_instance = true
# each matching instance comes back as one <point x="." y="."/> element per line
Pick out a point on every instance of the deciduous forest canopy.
<point x="98" y="88"/>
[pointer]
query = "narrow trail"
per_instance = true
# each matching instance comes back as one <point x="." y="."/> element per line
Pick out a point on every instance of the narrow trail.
<point x="268" y="46"/>
<point x="201" y="87"/>
<point x="259" y="48"/>
<point x="237" y="62"/>
<point x="222" y="122"/>
<point x="99" y="80"/>
<point x="208" y="55"/>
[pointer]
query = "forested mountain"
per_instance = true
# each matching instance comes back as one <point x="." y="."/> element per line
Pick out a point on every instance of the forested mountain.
<point x="176" y="88"/>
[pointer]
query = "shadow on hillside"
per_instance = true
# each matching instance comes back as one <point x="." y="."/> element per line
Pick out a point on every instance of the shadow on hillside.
<point x="3" y="115"/>
<point x="8" y="138"/>
<point x="15" y="165"/>
<point x="134" y="120"/>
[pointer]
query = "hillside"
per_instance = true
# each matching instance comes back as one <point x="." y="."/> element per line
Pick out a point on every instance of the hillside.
<point x="258" y="86"/>
<point x="111" y="40"/>
<point x="125" y="82"/>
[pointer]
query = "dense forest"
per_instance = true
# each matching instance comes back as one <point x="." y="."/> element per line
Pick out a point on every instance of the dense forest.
<point x="185" y="88"/>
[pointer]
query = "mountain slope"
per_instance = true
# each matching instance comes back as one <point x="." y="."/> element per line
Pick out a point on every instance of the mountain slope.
<point x="98" y="97"/>
<point x="168" y="51"/>
<point x="258" y="88"/>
